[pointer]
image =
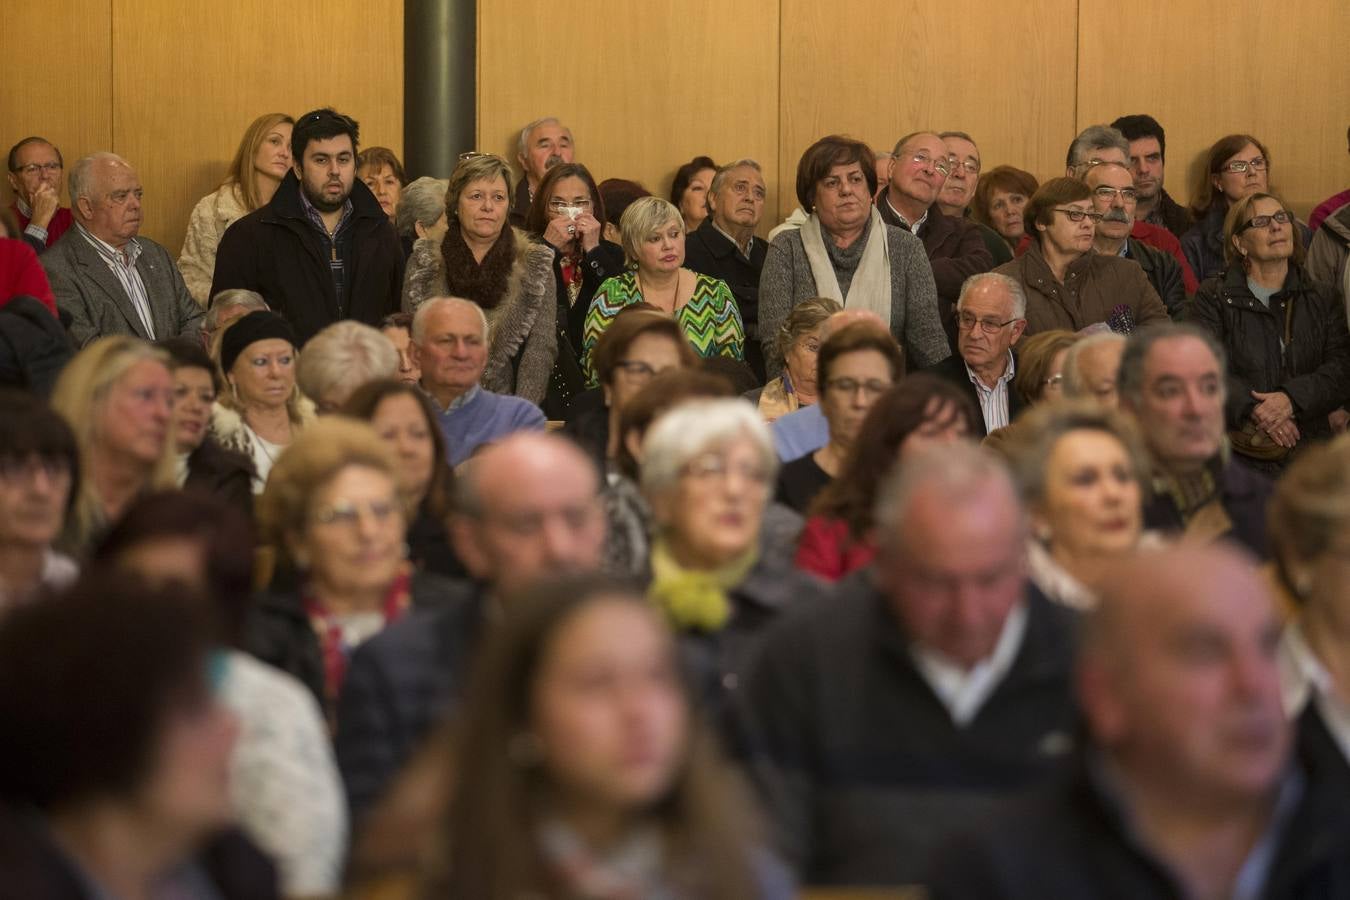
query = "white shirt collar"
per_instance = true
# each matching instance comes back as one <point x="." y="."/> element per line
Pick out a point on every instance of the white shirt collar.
<point x="1304" y="679"/>
<point x="964" y="691"/>
<point x="735" y="243"/>
<point x="1006" y="377"/>
<point x="912" y="226"/>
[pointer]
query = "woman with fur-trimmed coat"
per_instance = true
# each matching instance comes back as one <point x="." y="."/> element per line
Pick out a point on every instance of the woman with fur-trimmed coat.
<point x="484" y="260"/>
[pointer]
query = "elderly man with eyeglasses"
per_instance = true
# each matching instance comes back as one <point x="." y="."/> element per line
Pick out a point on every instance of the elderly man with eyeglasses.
<point x="919" y="169"/>
<point x="990" y="318"/>
<point x="35" y="167"/>
<point x="1067" y="285"/>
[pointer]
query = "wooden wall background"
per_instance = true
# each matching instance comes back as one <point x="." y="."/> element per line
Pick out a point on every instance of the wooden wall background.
<point x="172" y="84"/>
<point x="646" y="85"/>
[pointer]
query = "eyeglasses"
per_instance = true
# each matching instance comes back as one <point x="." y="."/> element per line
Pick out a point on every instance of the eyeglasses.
<point x="709" y="466"/>
<point x="1054" y="380"/>
<point x="348" y="515"/>
<point x="1077" y="215"/>
<point x="1280" y="218"/>
<point x="850" y="386"/>
<point x="470" y="154"/>
<point x="924" y="160"/>
<point x="1256" y="164"/>
<point x="1127" y="195"/>
<point x="34" y="168"/>
<point x="561" y="205"/>
<point x="637" y="369"/>
<point x="970" y="168"/>
<point x="966" y="322"/>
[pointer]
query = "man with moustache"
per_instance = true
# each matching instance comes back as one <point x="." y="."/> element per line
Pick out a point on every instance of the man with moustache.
<point x="35" y="166"/>
<point x="104" y="275"/>
<point x="955" y="249"/>
<point x="725" y="246"/>
<point x="544" y="143"/>
<point x="322" y="250"/>
<point x="1115" y="196"/>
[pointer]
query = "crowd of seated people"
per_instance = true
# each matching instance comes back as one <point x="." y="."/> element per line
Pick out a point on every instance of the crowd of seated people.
<point x="497" y="535"/>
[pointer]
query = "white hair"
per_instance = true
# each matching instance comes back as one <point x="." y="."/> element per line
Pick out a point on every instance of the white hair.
<point x="425" y="311"/>
<point x="960" y="473"/>
<point x="546" y="120"/>
<point x="1073" y="379"/>
<point x="696" y="427"/>
<point x="231" y="298"/>
<point x="722" y="174"/>
<point x="344" y="356"/>
<point x="422" y="201"/>
<point x="82" y="176"/>
<point x="1012" y="285"/>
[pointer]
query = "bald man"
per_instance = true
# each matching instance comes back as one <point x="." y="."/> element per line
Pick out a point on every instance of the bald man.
<point x="104" y="274"/>
<point x="1191" y="785"/>
<point x="526" y="509"/>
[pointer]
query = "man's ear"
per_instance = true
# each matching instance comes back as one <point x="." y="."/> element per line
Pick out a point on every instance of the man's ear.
<point x="85" y="208"/>
<point x="14" y="183"/>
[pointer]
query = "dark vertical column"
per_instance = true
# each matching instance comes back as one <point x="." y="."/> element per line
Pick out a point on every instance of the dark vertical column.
<point x="439" y="84"/>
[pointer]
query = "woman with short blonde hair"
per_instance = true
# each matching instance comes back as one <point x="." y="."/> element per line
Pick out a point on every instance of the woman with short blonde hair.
<point x="259" y="165"/>
<point x="117" y="396"/>
<point x="340" y="359"/>
<point x="652" y="235"/>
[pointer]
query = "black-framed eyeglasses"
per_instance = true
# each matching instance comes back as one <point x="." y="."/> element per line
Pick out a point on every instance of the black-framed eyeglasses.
<point x="636" y="368"/>
<point x="966" y="321"/>
<point x="1238" y="166"/>
<point x="1280" y="218"/>
<point x="1077" y="215"/>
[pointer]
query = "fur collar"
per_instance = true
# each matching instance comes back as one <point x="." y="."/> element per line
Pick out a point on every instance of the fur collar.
<point x="484" y="283"/>
<point x="227" y="425"/>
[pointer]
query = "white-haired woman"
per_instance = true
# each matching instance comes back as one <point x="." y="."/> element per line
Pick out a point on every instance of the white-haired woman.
<point x="652" y="233"/>
<point x="483" y="259"/>
<point x="340" y="359"/>
<point x="708" y="468"/>
<point x="421" y="212"/>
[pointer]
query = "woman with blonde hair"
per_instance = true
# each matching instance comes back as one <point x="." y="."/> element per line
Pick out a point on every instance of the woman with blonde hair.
<point x="117" y="396"/>
<point x="260" y="409"/>
<point x="262" y="160"/>
<point x="483" y="259"/>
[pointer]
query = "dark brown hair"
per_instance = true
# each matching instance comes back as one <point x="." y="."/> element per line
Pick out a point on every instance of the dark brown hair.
<point x="826" y="153"/>
<point x="854" y="337"/>
<point x="222" y="531"/>
<point x="1000" y="178"/>
<point x="491" y="843"/>
<point x="1224" y="149"/>
<point x="32" y="428"/>
<point x="1034" y="356"/>
<point x="897" y="413"/>
<point x="664" y="392"/>
<point x="402" y="320"/>
<point x="362" y="405"/>
<point x="617" y="194"/>
<point x="87" y="682"/>
<point x="685" y="174"/>
<point x="536" y="219"/>
<point x="629" y="325"/>
<point x="1055" y="192"/>
<point x="377" y="158"/>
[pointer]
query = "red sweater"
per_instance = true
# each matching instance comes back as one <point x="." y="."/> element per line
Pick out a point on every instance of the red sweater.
<point x="827" y="551"/>
<point x="21" y="273"/>
<point x="58" y="226"/>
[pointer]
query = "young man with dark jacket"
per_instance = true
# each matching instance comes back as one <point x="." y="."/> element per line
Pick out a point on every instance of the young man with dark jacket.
<point x="322" y="250"/>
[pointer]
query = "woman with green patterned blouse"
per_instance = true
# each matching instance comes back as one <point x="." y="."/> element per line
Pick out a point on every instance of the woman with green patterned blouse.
<point x="652" y="233"/>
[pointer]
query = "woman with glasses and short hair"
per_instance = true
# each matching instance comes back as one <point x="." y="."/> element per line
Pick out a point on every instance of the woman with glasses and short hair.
<point x="1238" y="165"/>
<point x="1067" y="285"/>
<point x="1285" y="336"/>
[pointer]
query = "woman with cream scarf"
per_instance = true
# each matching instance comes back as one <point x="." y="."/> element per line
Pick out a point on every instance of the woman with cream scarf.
<point x="846" y="252"/>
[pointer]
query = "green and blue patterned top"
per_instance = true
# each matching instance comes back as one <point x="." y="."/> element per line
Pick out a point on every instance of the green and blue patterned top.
<point x="711" y="320"/>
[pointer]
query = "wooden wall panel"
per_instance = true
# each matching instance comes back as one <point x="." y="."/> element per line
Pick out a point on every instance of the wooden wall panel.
<point x="644" y="86"/>
<point x="1279" y="71"/>
<point x="187" y="81"/>
<point x="68" y="98"/>
<point x="877" y="71"/>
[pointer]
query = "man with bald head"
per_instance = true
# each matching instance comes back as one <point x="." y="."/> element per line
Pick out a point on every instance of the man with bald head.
<point x="919" y="170"/>
<point x="526" y="509"/>
<point x="931" y="685"/>
<point x="1192" y="784"/>
<point x="104" y="274"/>
<point x="450" y="342"/>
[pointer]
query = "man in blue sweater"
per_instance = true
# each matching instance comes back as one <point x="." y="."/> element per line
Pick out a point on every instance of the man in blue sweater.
<point x="450" y="338"/>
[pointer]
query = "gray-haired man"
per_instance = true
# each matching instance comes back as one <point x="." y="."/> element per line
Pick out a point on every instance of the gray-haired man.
<point x="544" y="143"/>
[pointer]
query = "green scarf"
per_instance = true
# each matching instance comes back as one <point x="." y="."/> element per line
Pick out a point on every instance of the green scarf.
<point x="696" y="599"/>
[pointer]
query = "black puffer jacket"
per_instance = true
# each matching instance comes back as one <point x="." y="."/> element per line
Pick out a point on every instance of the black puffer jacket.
<point x="1313" y="367"/>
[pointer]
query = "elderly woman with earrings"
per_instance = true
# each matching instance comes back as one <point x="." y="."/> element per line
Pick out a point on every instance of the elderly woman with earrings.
<point x="261" y="409"/>
<point x="483" y="259"/>
<point x="334" y="511"/>
<point x="1285" y="336"/>
<point x="262" y="160"/>
<point x="117" y="396"/>
<point x="798" y="342"/>
<point x="653" y="241"/>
